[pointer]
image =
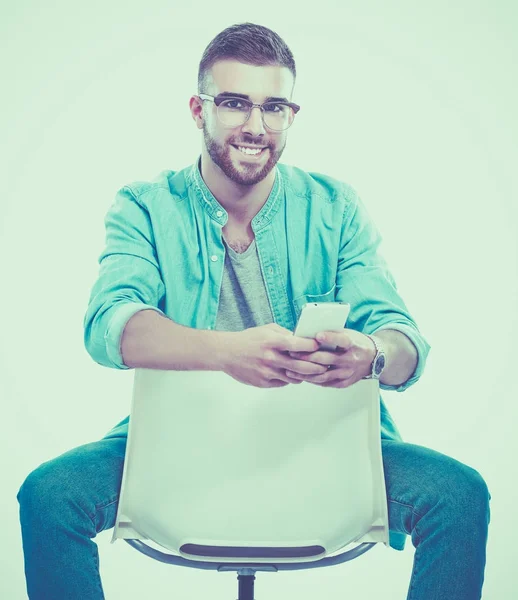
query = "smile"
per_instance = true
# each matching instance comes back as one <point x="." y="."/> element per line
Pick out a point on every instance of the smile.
<point x="250" y="151"/>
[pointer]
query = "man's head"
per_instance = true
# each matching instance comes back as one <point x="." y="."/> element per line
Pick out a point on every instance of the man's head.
<point x="254" y="63"/>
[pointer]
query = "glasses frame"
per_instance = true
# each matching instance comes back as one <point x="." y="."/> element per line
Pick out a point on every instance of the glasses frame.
<point x="219" y="99"/>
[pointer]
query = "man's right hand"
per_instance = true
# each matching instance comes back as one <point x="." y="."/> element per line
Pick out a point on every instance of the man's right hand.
<point x="259" y="356"/>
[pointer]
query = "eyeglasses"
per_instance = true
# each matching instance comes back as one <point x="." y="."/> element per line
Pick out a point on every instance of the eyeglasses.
<point x="233" y="111"/>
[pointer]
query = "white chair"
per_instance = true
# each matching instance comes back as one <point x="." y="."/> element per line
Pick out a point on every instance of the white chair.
<point x="233" y="477"/>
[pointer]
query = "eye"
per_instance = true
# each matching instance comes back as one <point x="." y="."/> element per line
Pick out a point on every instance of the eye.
<point x="274" y="107"/>
<point x="234" y="104"/>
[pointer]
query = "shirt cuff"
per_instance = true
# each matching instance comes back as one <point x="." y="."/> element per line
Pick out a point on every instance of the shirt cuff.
<point x="422" y="347"/>
<point x="113" y="335"/>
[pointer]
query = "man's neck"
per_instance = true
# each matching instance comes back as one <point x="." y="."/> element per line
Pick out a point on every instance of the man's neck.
<point x="242" y="202"/>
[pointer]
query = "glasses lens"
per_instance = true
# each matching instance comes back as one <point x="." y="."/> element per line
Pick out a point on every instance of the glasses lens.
<point x="233" y="112"/>
<point x="278" y="116"/>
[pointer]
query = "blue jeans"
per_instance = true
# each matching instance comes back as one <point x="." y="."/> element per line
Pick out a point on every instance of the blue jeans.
<point x="440" y="502"/>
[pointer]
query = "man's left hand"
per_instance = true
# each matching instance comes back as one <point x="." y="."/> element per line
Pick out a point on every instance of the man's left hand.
<point x="350" y="362"/>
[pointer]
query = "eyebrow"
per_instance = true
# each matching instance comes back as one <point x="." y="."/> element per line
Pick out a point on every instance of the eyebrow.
<point x="247" y="97"/>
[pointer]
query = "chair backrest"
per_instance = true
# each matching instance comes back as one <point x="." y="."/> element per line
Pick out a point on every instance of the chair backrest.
<point x="215" y="468"/>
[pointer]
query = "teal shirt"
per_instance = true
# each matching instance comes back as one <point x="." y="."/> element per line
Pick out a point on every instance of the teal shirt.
<point x="315" y="241"/>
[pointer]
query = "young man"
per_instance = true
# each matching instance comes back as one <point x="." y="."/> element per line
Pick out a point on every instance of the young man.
<point x="207" y="268"/>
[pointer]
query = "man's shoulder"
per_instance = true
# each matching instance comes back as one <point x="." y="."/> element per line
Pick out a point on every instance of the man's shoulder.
<point x="168" y="181"/>
<point x="314" y="183"/>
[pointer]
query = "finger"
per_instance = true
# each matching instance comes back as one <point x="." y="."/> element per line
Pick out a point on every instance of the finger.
<point x="320" y="378"/>
<point x="335" y="338"/>
<point x="322" y="357"/>
<point x="296" y="343"/>
<point x="274" y="383"/>
<point x="332" y="373"/>
<point x="304" y="367"/>
<point x="281" y="374"/>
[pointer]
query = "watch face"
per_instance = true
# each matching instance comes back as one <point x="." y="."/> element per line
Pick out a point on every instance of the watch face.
<point x="380" y="364"/>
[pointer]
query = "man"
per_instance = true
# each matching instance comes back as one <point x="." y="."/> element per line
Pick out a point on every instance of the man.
<point x="207" y="268"/>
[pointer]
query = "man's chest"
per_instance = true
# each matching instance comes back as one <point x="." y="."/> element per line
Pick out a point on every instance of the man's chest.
<point x="238" y="239"/>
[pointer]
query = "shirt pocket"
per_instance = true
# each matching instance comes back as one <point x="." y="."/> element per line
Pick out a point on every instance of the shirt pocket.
<point x="299" y="301"/>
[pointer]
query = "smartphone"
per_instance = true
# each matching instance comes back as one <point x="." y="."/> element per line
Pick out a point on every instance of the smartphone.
<point x="322" y="316"/>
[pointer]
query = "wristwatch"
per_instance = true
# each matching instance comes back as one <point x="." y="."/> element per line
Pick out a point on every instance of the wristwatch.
<point x="378" y="364"/>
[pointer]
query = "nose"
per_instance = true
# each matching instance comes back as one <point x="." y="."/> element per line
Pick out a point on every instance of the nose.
<point x="254" y="126"/>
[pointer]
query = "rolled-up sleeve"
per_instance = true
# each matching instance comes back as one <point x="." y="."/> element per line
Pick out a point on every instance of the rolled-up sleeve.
<point x="129" y="279"/>
<point x="364" y="280"/>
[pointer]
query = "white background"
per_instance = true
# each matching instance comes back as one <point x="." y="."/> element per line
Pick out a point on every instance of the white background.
<point x="413" y="104"/>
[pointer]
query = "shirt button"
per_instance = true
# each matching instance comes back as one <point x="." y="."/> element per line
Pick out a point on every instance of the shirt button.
<point x="270" y="270"/>
<point x="213" y="258"/>
<point x="219" y="213"/>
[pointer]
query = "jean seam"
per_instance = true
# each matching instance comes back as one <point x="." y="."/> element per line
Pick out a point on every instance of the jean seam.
<point x="416" y="555"/>
<point x="413" y="577"/>
<point x="95" y="551"/>
<point x="408" y="506"/>
<point x="99" y="506"/>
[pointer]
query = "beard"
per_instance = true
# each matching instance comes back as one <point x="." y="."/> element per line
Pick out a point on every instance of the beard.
<point x="249" y="173"/>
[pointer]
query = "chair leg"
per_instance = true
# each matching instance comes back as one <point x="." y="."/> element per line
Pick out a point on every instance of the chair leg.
<point x="245" y="587"/>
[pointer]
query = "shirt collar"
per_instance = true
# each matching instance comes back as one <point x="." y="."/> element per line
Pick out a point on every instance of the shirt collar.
<point x="216" y="210"/>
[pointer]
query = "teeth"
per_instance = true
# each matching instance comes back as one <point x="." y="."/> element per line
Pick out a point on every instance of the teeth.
<point x="250" y="150"/>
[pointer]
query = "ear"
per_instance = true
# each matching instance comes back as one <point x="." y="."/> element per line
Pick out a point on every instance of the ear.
<point x="196" y="106"/>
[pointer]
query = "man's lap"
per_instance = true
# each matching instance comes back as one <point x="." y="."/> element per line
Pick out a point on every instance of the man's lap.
<point x="416" y="479"/>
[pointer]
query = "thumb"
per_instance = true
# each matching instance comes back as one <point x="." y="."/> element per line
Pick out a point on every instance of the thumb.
<point x="336" y="338"/>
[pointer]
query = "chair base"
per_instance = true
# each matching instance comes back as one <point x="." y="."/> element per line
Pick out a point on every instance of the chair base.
<point x="245" y="585"/>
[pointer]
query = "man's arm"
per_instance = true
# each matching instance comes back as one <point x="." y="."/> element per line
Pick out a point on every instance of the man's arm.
<point x="400" y="357"/>
<point x="129" y="279"/>
<point x="151" y="341"/>
<point x="124" y="326"/>
<point x="365" y="281"/>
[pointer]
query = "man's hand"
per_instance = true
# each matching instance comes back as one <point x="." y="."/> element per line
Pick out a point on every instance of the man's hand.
<point x="259" y="356"/>
<point x="350" y="362"/>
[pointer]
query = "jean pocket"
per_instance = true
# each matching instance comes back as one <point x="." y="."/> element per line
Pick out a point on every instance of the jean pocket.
<point x="299" y="301"/>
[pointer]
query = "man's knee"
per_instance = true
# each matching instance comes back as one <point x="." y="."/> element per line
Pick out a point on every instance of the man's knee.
<point x="41" y="486"/>
<point x="477" y="489"/>
<point x="469" y="495"/>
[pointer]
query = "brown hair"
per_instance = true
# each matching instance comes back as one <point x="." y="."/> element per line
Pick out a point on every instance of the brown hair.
<point x="248" y="43"/>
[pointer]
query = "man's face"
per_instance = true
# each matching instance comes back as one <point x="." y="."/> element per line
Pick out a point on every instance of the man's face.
<point x="222" y="142"/>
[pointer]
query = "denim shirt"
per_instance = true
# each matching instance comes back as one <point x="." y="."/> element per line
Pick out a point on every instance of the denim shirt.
<point x="315" y="242"/>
